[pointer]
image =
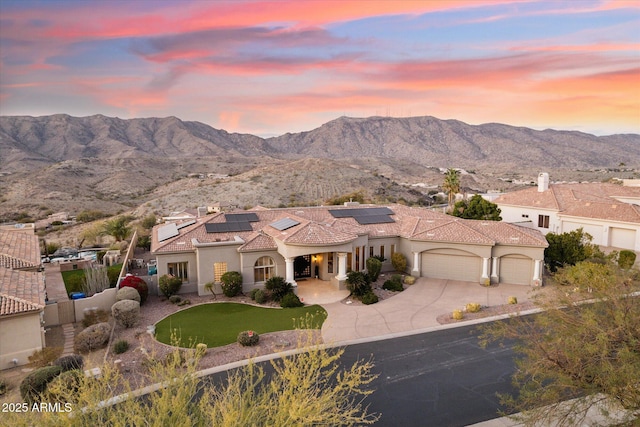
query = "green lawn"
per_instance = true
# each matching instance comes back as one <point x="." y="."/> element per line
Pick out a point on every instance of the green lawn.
<point x="74" y="279"/>
<point x="218" y="324"/>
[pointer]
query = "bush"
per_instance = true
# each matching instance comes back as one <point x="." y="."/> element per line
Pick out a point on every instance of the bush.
<point x="70" y="362"/>
<point x="248" y="338"/>
<point x="394" y="284"/>
<point x="94" y="337"/>
<point x="127" y="293"/>
<point x="169" y="285"/>
<point x="120" y="346"/>
<point x="45" y="356"/>
<point x="399" y="262"/>
<point x="138" y="284"/>
<point x="379" y="258"/>
<point x="3" y="386"/>
<point x="201" y="349"/>
<point x="358" y="283"/>
<point x="34" y="385"/>
<point x="231" y="283"/>
<point x="290" y="300"/>
<point x="91" y="317"/>
<point x="253" y="292"/>
<point x="473" y="307"/>
<point x="458" y="315"/>
<point x="369" y="298"/>
<point x="126" y="312"/>
<point x="64" y="386"/>
<point x="175" y="299"/>
<point x="260" y="296"/>
<point x="512" y="300"/>
<point x="409" y="280"/>
<point x="183" y="302"/>
<point x="374" y="267"/>
<point x="278" y="287"/>
<point x="626" y="259"/>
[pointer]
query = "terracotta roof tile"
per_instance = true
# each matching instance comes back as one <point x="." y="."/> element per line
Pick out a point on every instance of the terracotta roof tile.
<point x="20" y="291"/>
<point x="19" y="250"/>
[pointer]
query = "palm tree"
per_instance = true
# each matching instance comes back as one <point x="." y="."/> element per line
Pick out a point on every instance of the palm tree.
<point x="117" y="228"/>
<point x="451" y="184"/>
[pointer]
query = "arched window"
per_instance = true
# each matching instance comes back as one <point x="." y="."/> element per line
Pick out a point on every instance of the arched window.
<point x="264" y="269"/>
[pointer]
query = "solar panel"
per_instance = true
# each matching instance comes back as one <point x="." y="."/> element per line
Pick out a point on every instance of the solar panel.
<point x="227" y="227"/>
<point x="373" y="219"/>
<point x="348" y="213"/>
<point x="242" y="217"/>
<point x="186" y="224"/>
<point x="284" y="223"/>
<point x="167" y="231"/>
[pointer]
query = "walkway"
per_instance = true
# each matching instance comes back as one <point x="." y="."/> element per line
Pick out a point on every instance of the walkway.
<point x="417" y="307"/>
<point x="56" y="292"/>
<point x="316" y="291"/>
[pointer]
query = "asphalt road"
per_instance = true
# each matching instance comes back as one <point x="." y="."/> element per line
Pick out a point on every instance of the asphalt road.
<point x="440" y="378"/>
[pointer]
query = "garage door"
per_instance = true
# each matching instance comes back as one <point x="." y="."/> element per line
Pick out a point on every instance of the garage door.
<point x="594" y="230"/>
<point x="452" y="266"/>
<point x="622" y="238"/>
<point x="515" y="270"/>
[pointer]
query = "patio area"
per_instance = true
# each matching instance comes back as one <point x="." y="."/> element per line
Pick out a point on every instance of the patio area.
<point x="316" y="291"/>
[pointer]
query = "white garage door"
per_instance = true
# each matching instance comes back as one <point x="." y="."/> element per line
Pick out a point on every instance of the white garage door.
<point x="622" y="238"/>
<point x="516" y="270"/>
<point x="458" y="266"/>
<point x="594" y="230"/>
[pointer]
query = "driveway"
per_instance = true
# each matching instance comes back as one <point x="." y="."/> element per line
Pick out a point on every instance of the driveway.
<point x="416" y="308"/>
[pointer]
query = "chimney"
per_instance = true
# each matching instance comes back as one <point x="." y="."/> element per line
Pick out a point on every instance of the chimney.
<point x="543" y="182"/>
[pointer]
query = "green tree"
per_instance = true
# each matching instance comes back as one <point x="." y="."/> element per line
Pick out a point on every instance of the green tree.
<point x="149" y="221"/>
<point x="118" y="228"/>
<point x="477" y="208"/>
<point x="451" y="184"/>
<point x="569" y="248"/>
<point x="584" y="344"/>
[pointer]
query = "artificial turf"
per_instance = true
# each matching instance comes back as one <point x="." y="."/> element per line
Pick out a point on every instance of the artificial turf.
<point x="218" y="324"/>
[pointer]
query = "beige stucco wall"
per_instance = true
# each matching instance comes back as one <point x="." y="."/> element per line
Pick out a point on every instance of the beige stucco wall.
<point x="103" y="301"/>
<point x="208" y="255"/>
<point x="20" y="336"/>
<point x="376" y="242"/>
<point x="189" y="257"/>
<point x="248" y="261"/>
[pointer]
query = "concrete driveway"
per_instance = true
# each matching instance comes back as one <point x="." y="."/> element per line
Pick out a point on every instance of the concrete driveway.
<point x="415" y="308"/>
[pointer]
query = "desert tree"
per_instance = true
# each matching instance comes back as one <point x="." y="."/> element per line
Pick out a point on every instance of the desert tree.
<point x="451" y="184"/>
<point x="477" y="208"/>
<point x="118" y="228"/>
<point x="581" y="353"/>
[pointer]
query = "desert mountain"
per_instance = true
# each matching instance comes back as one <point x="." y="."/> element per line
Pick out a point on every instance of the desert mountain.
<point x="26" y="142"/>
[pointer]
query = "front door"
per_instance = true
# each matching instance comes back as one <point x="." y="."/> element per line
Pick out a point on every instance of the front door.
<point x="302" y="267"/>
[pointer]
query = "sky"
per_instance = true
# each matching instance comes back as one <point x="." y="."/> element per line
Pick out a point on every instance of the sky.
<point x="271" y="67"/>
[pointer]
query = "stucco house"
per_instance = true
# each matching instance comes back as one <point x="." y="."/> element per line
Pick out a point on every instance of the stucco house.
<point x="328" y="241"/>
<point x="22" y="298"/>
<point x="610" y="213"/>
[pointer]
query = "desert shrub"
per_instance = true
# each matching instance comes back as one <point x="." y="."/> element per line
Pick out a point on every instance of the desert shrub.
<point x="169" y="285"/>
<point x="374" y="267"/>
<point x="253" y="292"/>
<point x="45" y="356"/>
<point x="127" y="293"/>
<point x="175" y="299"/>
<point x="94" y="337"/>
<point x="126" y="312"/>
<point x="139" y="285"/>
<point x="409" y="280"/>
<point x="3" y="386"/>
<point x="369" y="298"/>
<point x="231" y="283"/>
<point x="113" y="272"/>
<point x="70" y="362"/>
<point x="64" y="386"/>
<point x="399" y="261"/>
<point x="626" y="259"/>
<point x="183" y="302"/>
<point x="358" y="283"/>
<point x="290" y="300"/>
<point x="34" y="385"/>
<point x="473" y="307"/>
<point x="379" y="258"/>
<point x="278" y="287"/>
<point x="74" y="283"/>
<point x="260" y="296"/>
<point x="457" y="314"/>
<point x="91" y="317"/>
<point x="248" y="338"/>
<point x="394" y="284"/>
<point x="201" y="349"/>
<point x="120" y="346"/>
<point x="512" y="300"/>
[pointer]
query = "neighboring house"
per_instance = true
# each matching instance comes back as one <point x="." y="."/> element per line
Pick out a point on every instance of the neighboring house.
<point x="326" y="242"/>
<point x="22" y="298"/>
<point x="610" y="213"/>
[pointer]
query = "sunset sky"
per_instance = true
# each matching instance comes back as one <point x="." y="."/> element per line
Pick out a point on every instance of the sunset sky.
<point x="270" y="67"/>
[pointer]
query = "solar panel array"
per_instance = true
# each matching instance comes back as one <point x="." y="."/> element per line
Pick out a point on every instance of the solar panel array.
<point x="284" y="223"/>
<point x="167" y="231"/>
<point x="242" y="217"/>
<point x="186" y="224"/>
<point x="227" y="227"/>
<point x="365" y="215"/>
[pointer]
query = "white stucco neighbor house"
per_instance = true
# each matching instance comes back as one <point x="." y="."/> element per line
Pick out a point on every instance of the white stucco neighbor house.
<point x="22" y="298"/>
<point x="610" y="213"/>
<point x="328" y="241"/>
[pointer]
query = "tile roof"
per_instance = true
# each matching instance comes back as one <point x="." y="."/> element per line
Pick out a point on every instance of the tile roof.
<point x="586" y="200"/>
<point x="19" y="250"/>
<point x="20" y="291"/>
<point x="316" y="226"/>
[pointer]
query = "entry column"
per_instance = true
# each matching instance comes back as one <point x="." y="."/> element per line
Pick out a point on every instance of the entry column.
<point x="289" y="271"/>
<point x="416" y="263"/>
<point x="485" y="268"/>
<point x="342" y="266"/>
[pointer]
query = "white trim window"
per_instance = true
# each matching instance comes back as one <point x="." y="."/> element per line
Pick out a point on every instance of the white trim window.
<point x="264" y="269"/>
<point x="179" y="269"/>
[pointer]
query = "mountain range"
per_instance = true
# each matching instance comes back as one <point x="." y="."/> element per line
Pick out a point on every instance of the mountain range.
<point x="122" y="163"/>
